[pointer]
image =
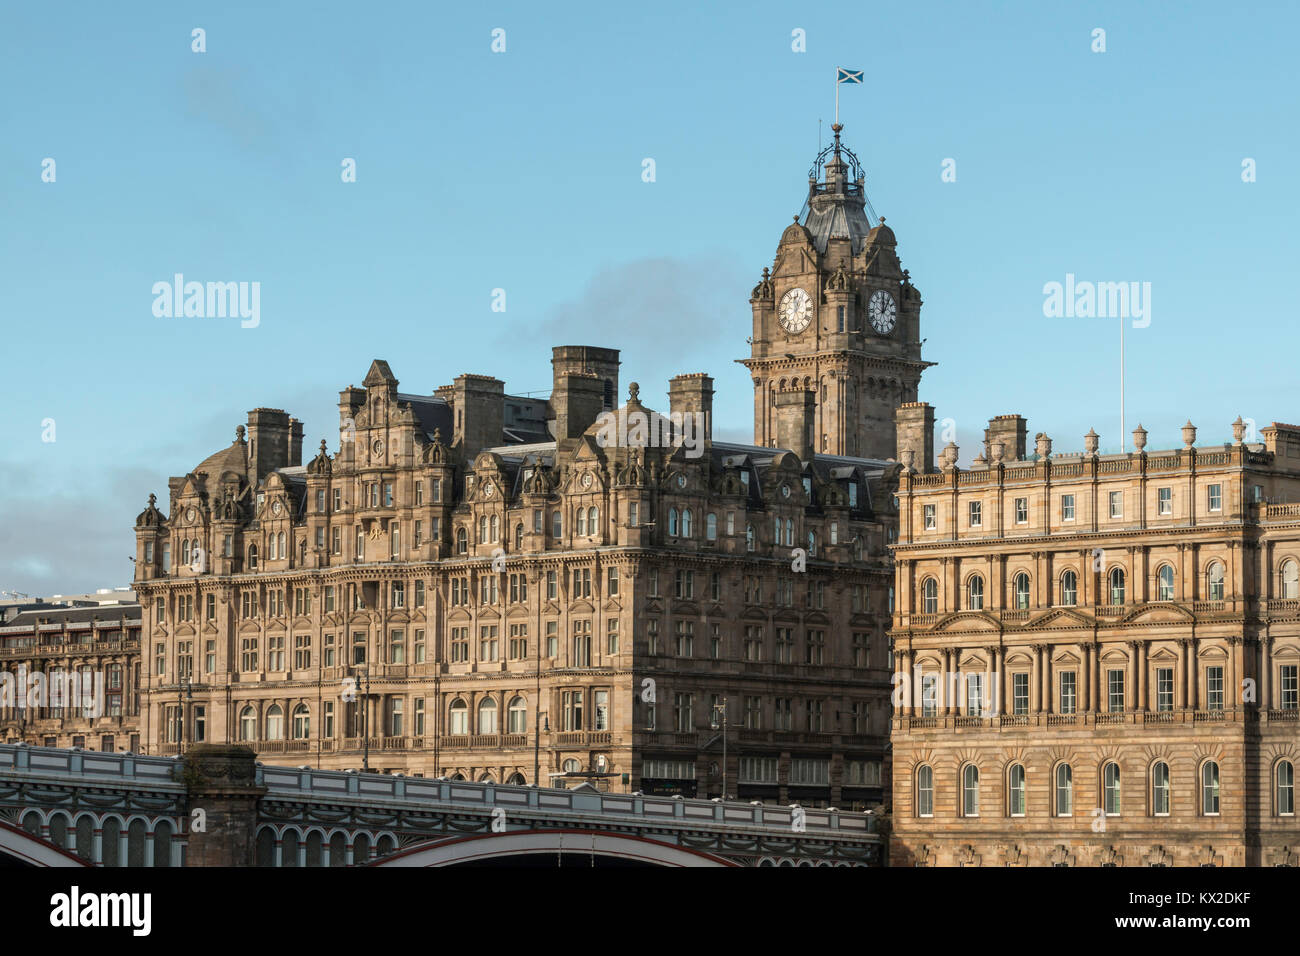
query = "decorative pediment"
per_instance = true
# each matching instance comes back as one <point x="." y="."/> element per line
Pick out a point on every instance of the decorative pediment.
<point x="1061" y="617"/>
<point x="965" y="621"/>
<point x="1159" y="613"/>
<point x="1163" y="655"/>
<point x="1065" y="658"/>
<point x="581" y="607"/>
<point x="458" y="616"/>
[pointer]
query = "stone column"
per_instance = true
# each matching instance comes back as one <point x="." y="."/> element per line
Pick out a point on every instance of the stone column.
<point x="220" y="779"/>
<point x="1180" y="684"/>
<point x="1035" y="681"/>
<point x="1265" y="673"/>
<point x="1234" y="669"/>
<point x="1141" y="654"/>
<point x="986" y="692"/>
<point x="1193" y="676"/>
<point x="1047" y="679"/>
<point x="1133" y="694"/>
<point x="1085" y="675"/>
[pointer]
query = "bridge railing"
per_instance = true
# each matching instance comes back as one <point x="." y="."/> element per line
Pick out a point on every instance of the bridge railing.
<point x="154" y="771"/>
<point x="308" y="784"/>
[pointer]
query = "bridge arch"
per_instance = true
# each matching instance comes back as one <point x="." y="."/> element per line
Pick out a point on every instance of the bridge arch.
<point x="18" y="847"/>
<point x="502" y="847"/>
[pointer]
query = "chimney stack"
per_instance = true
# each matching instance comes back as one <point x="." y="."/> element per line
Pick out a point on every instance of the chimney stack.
<point x="1011" y="431"/>
<point x="479" y="406"/>
<point x="692" y="394"/>
<point x="914" y="425"/>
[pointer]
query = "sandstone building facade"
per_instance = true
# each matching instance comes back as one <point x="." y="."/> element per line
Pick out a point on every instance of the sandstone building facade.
<point x="1097" y="654"/>
<point x="488" y="586"/>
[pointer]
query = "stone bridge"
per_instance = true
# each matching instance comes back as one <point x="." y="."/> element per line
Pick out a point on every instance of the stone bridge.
<point x="216" y="806"/>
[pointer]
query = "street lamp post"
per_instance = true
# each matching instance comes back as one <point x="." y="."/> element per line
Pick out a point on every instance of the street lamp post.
<point x="720" y="721"/>
<point x="365" y="722"/>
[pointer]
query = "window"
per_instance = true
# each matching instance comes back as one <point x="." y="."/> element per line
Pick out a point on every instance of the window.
<point x="552" y="585"/>
<point x="1069" y="589"/>
<point x="1164" y="501"/>
<point x="1016" y="791"/>
<point x="248" y="724"/>
<point x="929" y="695"/>
<point x="633" y="514"/>
<point x="812" y="544"/>
<point x="1210" y="789"/>
<point x="581" y="644"/>
<point x="487" y="642"/>
<point x="557" y="525"/>
<point x="1110" y="784"/>
<point x="397" y="592"/>
<point x="1064" y="790"/>
<point x="1287" y="684"/>
<point x="1115" y="691"/>
<point x="974" y="694"/>
<point x="1067" y="507"/>
<point x="930" y="596"/>
<point x="600" y="709"/>
<point x="749" y="537"/>
<point x="782" y="714"/>
<point x="1290" y="580"/>
<point x="711" y="527"/>
<point x="552" y="638"/>
<point x="715" y="586"/>
<point x="459" y="646"/>
<point x="975" y="514"/>
<point x="419" y="646"/>
<point x="686" y="523"/>
<point x="580" y="526"/>
<point x="396" y="647"/>
<point x="975" y="593"/>
<point x="1021" y="586"/>
<point x="1020" y="693"/>
<point x="684" y="584"/>
<point x="924" y="791"/>
<point x="611" y="582"/>
<point x="753" y="642"/>
<point x="1022" y="511"/>
<point x="970" y="785"/>
<point x="611" y="636"/>
<point x="517" y="716"/>
<point x="301" y="652"/>
<point x="1069" y="682"/>
<point x="930" y="523"/>
<point x="674" y="523"/>
<point x="1214" y="498"/>
<point x="1116" y="586"/>
<point x="1165" y="583"/>
<point x="685" y="638"/>
<point x="417" y="720"/>
<point x="754" y="721"/>
<point x="1214" y="688"/>
<point x="301" y="723"/>
<point x="1214" y="578"/>
<point x="487" y="716"/>
<point x="1164" y="688"/>
<point x="810" y="771"/>
<point x="1117" y="504"/>
<point x="462" y="541"/>
<point x="683" y="718"/>
<point x="459" y="717"/>
<point x="815" y="651"/>
<point x="1160" y="789"/>
<point x="275" y="723"/>
<point x="1285" y="788"/>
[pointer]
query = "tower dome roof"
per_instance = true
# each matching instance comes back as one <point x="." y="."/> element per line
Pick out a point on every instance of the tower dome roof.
<point x="837" y="206"/>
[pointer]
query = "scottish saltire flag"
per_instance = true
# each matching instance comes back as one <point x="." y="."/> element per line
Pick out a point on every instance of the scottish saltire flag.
<point x="848" y="76"/>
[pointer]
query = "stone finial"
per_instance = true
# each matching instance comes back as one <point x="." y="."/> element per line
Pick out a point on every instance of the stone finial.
<point x="980" y="460"/>
<point x="950" y="455"/>
<point x="1043" y="445"/>
<point x="908" y="459"/>
<point x="239" y="433"/>
<point x="997" y="449"/>
<point x="633" y="392"/>
<point x="1091" y="442"/>
<point x="1139" y="438"/>
<point x="322" y="446"/>
<point x="437" y="436"/>
<point x="153" y="500"/>
<point x="1189" y="434"/>
<point x="1238" y="430"/>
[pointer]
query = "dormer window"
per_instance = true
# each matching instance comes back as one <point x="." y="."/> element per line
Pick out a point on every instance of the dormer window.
<point x="853" y="494"/>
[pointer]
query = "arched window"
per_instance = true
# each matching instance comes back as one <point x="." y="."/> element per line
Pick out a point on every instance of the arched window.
<point x="1290" y="580"/>
<point x="1210" y="788"/>
<point x="486" y="777"/>
<point x="459" y="723"/>
<point x="1285" y="788"/>
<point x="483" y="530"/>
<point x="301" y="723"/>
<point x="970" y="787"/>
<point x="711" y="526"/>
<point x="519" y="537"/>
<point x="275" y="723"/>
<point x="930" y="596"/>
<point x="1214" y="579"/>
<point x="1116" y="585"/>
<point x="487" y="716"/>
<point x="1064" y="790"/>
<point x="284" y="553"/>
<point x="1110" y="784"/>
<point x="1069" y="589"/>
<point x="593" y="521"/>
<point x="749" y="537"/>
<point x="1016" y="791"/>
<point x="271" y="552"/>
<point x="496" y="528"/>
<point x="924" y="792"/>
<point x="975" y="593"/>
<point x="1160" y="789"/>
<point x="812" y="544"/>
<point x="516" y="780"/>
<point x="580" y="525"/>
<point x="557" y="525"/>
<point x="1021" y="586"/>
<point x="167" y="556"/>
<point x="518" y="716"/>
<point x="185" y="551"/>
<point x="1165" y="583"/>
<point x="789" y="532"/>
<point x="686" y="522"/>
<point x="248" y="724"/>
<point x="462" y="541"/>
<point x="252" y="557"/>
<point x="674" y="524"/>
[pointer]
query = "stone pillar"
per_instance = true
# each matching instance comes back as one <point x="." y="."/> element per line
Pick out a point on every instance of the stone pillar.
<point x="1180" y="685"/>
<point x="1140" y="653"/>
<point x="1193" y="676"/>
<point x="1035" y="680"/>
<point x="1265" y="673"/>
<point x="1085" y="692"/>
<point x="221" y="780"/>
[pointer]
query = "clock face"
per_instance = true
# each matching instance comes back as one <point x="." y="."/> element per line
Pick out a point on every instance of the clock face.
<point x="275" y="508"/>
<point x="487" y="489"/>
<point x="377" y="447"/>
<point x="189" y="515"/>
<point x="882" y="312"/>
<point x="795" y="311"/>
<point x="586" y="480"/>
<point x="785" y="491"/>
<point x="681" y="481"/>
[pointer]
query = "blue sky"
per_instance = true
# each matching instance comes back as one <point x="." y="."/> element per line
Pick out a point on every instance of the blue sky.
<point x="522" y="171"/>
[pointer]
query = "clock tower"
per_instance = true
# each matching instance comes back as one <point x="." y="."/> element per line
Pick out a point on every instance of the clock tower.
<point x="836" y="316"/>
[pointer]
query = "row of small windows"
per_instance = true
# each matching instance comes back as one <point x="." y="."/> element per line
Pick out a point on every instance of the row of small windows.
<point x="1160" y="781"/>
<point x="1068" y="594"/>
<point x="1114" y="503"/>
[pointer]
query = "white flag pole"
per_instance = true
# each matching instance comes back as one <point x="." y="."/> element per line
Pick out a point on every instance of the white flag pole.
<point x="1123" y="436"/>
